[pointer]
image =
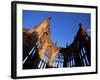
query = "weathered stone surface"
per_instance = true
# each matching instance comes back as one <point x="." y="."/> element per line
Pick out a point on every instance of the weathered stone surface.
<point x="41" y="33"/>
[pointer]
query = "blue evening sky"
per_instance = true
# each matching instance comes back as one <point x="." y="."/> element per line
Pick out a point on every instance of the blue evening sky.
<point x="63" y="25"/>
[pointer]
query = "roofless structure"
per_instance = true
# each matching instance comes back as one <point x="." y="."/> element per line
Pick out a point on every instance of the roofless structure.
<point x="39" y="51"/>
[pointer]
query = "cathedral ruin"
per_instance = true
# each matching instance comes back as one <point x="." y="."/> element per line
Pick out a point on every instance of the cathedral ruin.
<point x="40" y="52"/>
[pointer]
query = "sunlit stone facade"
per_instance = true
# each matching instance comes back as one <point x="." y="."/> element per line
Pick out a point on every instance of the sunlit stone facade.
<point x="40" y="52"/>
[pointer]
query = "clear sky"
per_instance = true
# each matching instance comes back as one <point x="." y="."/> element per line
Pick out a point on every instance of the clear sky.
<point x="63" y="25"/>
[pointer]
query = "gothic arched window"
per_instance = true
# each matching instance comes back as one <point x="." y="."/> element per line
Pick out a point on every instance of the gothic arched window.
<point x="59" y="59"/>
<point x="45" y="59"/>
<point x="71" y="62"/>
<point x="83" y="57"/>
